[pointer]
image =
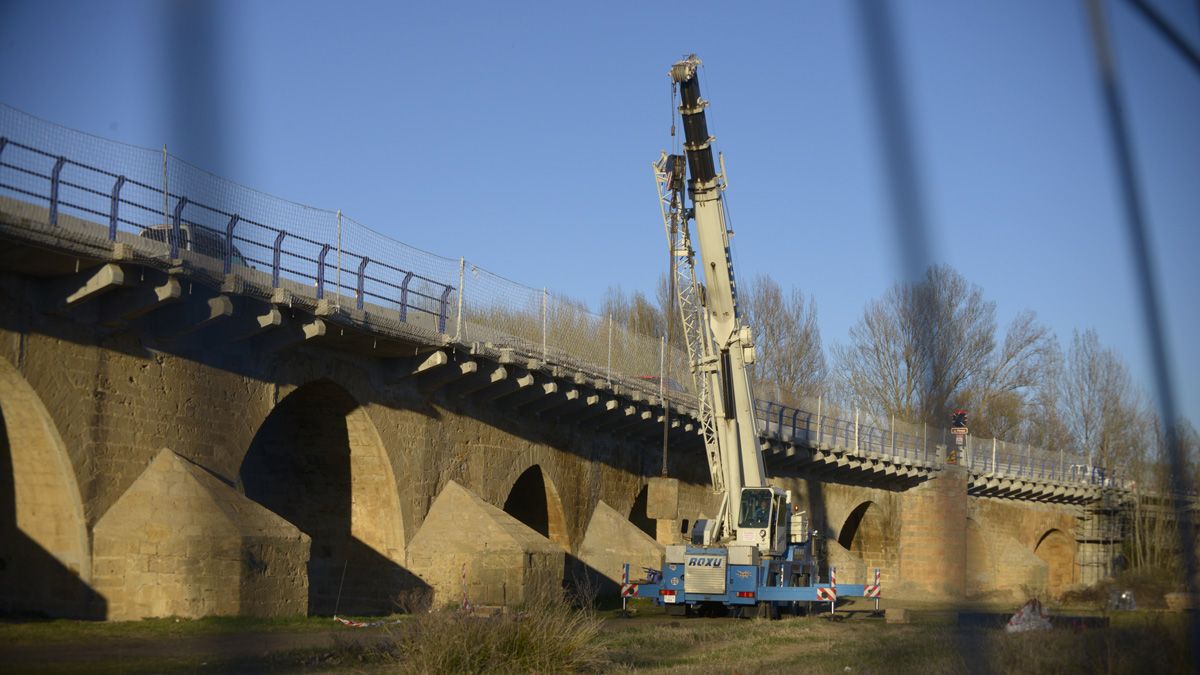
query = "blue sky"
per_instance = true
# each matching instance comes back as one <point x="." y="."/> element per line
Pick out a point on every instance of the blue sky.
<point x="520" y="136"/>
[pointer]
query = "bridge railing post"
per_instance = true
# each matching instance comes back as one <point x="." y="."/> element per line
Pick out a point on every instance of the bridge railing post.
<point x="462" y="287"/>
<point x="608" y="363"/>
<point x="856" y="430"/>
<point x="443" y="312"/>
<point x="362" y="282"/>
<point x="58" y="165"/>
<point x="114" y="208"/>
<point x="233" y="222"/>
<point x="276" y="252"/>
<point x="325" y="248"/>
<point x="820" y="438"/>
<point x="404" y="296"/>
<point x="177" y="227"/>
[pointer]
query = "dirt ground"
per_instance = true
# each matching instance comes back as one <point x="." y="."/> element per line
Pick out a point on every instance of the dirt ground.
<point x="218" y="652"/>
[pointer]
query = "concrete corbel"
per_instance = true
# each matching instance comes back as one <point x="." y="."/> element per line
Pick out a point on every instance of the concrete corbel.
<point x="524" y="395"/>
<point x="572" y="410"/>
<point x="480" y="380"/>
<point x="437" y="378"/>
<point x="550" y="402"/>
<point x="181" y="319"/>
<point x="405" y="368"/>
<point x="139" y="300"/>
<point x="505" y="387"/>
<point x="587" y="418"/>
<point x="293" y="334"/>
<point x="84" y="287"/>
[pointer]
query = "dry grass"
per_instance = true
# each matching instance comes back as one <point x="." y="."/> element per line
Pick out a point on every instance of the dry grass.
<point x="1149" y="588"/>
<point x="552" y="636"/>
<point x="549" y="635"/>
<point x="1145" y="643"/>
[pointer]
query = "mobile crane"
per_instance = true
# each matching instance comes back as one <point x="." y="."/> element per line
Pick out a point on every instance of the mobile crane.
<point x="757" y="554"/>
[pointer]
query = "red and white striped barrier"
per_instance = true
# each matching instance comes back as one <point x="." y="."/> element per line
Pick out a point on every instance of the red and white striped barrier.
<point x="628" y="589"/>
<point x="829" y="594"/>
<point x="872" y="591"/>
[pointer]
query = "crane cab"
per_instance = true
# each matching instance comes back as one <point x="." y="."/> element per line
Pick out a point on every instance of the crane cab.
<point x="763" y="518"/>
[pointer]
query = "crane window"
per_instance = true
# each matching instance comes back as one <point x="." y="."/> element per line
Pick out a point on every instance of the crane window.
<point x="756" y="508"/>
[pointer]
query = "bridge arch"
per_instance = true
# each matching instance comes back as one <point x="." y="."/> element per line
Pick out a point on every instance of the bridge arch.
<point x="533" y="500"/>
<point x="318" y="461"/>
<point x="1057" y="550"/>
<point x="45" y="562"/>
<point x="865" y="533"/>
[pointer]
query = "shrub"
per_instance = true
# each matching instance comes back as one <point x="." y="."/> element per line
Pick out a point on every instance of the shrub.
<point x="547" y="636"/>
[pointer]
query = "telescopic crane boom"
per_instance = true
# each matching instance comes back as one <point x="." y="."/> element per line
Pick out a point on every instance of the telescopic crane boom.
<point x="725" y="348"/>
<point x="757" y="552"/>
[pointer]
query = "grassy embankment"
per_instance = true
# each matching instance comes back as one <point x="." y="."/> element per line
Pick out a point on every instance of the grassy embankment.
<point x="551" y="637"/>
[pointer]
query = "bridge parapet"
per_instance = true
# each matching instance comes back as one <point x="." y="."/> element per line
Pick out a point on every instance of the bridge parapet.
<point x="825" y="437"/>
<point x="289" y="274"/>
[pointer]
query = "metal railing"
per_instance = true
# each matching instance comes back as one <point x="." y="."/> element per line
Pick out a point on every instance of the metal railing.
<point x="835" y="429"/>
<point x="190" y="226"/>
<point x="159" y="204"/>
<point x="984" y="457"/>
<point x="859" y="434"/>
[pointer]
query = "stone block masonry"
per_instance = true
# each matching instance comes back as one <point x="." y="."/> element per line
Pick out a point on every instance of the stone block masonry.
<point x="182" y="543"/>
<point x="239" y="465"/>
<point x="469" y="546"/>
<point x="933" y="545"/>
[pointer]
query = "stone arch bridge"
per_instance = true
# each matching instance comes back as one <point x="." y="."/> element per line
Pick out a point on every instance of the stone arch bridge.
<point x="176" y="440"/>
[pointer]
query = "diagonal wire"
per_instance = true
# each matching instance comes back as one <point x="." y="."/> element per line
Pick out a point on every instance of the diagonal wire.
<point x="1151" y="311"/>
<point x="1168" y="32"/>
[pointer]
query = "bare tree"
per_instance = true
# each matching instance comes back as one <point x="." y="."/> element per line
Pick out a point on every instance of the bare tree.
<point x="668" y="306"/>
<point x="1153" y="541"/>
<point x="1103" y="410"/>
<point x="636" y="312"/>
<point x="927" y="347"/>
<point x="790" y="362"/>
<point x="1045" y="425"/>
<point x="1001" y="393"/>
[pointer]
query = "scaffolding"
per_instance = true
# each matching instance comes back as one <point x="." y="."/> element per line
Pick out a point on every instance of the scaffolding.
<point x="1100" y="533"/>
